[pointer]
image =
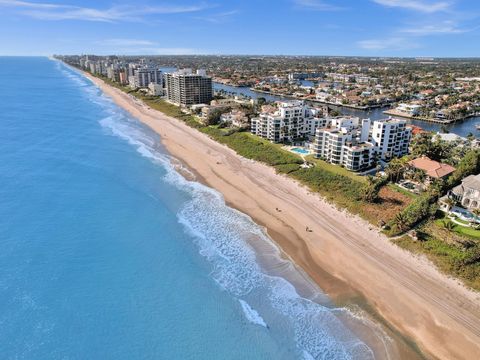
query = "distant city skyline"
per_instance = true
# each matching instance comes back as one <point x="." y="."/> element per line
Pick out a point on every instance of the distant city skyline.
<point x="398" y="28"/>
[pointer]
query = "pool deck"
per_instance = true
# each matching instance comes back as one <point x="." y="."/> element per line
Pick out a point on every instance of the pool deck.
<point x="302" y="153"/>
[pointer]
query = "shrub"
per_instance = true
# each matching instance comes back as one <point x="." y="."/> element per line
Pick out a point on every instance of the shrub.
<point x="417" y="211"/>
<point x="287" y="168"/>
<point x="469" y="165"/>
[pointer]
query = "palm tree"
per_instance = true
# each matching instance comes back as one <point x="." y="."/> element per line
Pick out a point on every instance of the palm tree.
<point x="401" y="222"/>
<point x="450" y="203"/>
<point x="395" y="169"/>
<point x="449" y="225"/>
<point x="419" y="176"/>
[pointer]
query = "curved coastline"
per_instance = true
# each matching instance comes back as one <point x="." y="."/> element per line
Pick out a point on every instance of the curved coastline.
<point x="407" y="292"/>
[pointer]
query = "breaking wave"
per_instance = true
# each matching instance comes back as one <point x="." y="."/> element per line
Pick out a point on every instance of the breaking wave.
<point x="224" y="237"/>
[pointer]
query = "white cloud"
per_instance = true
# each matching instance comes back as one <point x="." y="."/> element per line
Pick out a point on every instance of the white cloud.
<point x="49" y="11"/>
<point x="417" y="5"/>
<point x="218" y="18"/>
<point x="126" y="42"/>
<point x="141" y="46"/>
<point x="446" y="27"/>
<point x="176" y="51"/>
<point x="393" y="44"/>
<point x="26" y="4"/>
<point x="153" y="51"/>
<point x="316" y="5"/>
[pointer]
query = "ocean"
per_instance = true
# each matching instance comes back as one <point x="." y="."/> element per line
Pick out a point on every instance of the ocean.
<point x="108" y="252"/>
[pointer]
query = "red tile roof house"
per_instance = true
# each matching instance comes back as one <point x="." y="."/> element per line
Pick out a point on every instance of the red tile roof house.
<point x="433" y="169"/>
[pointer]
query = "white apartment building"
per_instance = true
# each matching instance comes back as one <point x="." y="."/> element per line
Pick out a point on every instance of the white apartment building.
<point x="391" y="138"/>
<point x="292" y="120"/>
<point x="155" y="89"/>
<point x="288" y="123"/>
<point x="313" y="123"/>
<point x="142" y="77"/>
<point x="345" y="143"/>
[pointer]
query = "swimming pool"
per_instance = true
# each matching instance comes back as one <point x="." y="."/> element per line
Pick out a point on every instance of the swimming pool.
<point x="300" y="151"/>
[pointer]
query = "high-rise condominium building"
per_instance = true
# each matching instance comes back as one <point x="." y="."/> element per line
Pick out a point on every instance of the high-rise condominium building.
<point x="292" y="120"/>
<point x="391" y="138"/>
<point x="345" y="142"/>
<point x="143" y="76"/>
<point x="186" y="88"/>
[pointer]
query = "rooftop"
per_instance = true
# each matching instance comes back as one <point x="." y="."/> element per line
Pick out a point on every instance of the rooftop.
<point x="472" y="181"/>
<point x="432" y="168"/>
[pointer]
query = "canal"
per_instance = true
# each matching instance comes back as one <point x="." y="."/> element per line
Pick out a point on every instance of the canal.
<point x="462" y="128"/>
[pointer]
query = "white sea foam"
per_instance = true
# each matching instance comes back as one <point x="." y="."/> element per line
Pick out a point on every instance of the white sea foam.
<point x="251" y="314"/>
<point x="307" y="356"/>
<point x="221" y="235"/>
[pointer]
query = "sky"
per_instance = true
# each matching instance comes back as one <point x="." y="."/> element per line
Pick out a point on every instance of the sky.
<point x="410" y="28"/>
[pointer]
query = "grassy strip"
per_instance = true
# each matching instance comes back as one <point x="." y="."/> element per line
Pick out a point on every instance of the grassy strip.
<point x="448" y="258"/>
<point x="338" y="189"/>
<point x="461" y="230"/>
<point x="335" y="169"/>
<point x="252" y="147"/>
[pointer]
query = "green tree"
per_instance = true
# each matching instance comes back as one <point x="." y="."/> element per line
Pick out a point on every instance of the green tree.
<point x="214" y="116"/>
<point x="450" y="203"/>
<point x="261" y="101"/>
<point x="396" y="168"/>
<point x="370" y="192"/>
<point x="469" y="165"/>
<point x="432" y="147"/>
<point x="401" y="222"/>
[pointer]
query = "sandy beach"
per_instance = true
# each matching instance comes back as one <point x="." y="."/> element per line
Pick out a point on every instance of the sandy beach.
<point x="436" y="312"/>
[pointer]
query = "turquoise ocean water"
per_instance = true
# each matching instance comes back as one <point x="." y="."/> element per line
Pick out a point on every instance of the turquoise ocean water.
<point x="106" y="252"/>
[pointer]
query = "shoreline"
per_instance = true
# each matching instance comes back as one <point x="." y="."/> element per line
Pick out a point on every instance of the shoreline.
<point x="393" y="112"/>
<point x="292" y="97"/>
<point x="348" y="106"/>
<point x="408" y="292"/>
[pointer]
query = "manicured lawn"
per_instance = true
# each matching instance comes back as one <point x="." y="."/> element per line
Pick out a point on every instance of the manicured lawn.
<point x="468" y="231"/>
<point x="462" y="230"/>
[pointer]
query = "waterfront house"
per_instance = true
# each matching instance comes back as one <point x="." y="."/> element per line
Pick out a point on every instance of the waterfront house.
<point x="210" y="114"/>
<point x="236" y="118"/>
<point x="468" y="192"/>
<point x="433" y="170"/>
<point x="410" y="109"/>
<point x="451" y="138"/>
